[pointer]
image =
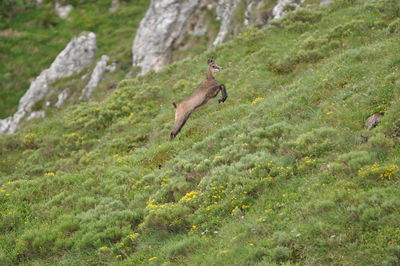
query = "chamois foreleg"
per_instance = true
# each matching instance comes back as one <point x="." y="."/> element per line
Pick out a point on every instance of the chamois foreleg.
<point x="224" y="95"/>
<point x="180" y="120"/>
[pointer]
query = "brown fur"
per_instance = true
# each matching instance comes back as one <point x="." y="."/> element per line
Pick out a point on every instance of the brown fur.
<point x="204" y="92"/>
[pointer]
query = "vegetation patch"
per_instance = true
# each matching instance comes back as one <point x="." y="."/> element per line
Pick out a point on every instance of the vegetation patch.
<point x="283" y="172"/>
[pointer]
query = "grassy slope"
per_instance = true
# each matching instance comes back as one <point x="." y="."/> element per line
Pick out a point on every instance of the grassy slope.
<point x="280" y="173"/>
<point x="38" y="35"/>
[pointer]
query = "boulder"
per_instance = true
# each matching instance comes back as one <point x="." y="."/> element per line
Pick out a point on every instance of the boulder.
<point x="373" y="121"/>
<point x="63" y="10"/>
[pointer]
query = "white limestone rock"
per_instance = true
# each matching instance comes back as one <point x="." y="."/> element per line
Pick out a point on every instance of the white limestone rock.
<point x="35" y="114"/>
<point x="95" y="78"/>
<point x="163" y="25"/>
<point x="225" y="10"/>
<point x="279" y="9"/>
<point x="62" y="97"/>
<point x="168" y="22"/>
<point x="63" y="10"/>
<point x="77" y="55"/>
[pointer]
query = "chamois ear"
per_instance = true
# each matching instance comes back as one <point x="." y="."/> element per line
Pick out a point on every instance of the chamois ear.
<point x="211" y="60"/>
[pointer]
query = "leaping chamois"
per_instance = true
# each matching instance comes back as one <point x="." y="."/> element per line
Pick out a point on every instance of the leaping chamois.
<point x="204" y="92"/>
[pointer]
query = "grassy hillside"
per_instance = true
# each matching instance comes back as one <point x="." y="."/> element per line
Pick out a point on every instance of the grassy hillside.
<point x="283" y="172"/>
<point x="31" y="37"/>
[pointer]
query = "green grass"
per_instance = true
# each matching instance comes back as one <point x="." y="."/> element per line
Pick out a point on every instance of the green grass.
<point x="283" y="172"/>
<point x="31" y="39"/>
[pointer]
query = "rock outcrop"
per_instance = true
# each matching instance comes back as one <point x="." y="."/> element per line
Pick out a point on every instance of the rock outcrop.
<point x="77" y="55"/>
<point x="168" y="22"/>
<point x="62" y="97"/>
<point x="165" y="22"/>
<point x="63" y="10"/>
<point x="373" y="121"/>
<point x="225" y="10"/>
<point x="97" y="75"/>
<point x="282" y="5"/>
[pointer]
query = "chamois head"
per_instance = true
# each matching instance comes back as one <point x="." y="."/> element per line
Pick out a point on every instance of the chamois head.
<point x="212" y="66"/>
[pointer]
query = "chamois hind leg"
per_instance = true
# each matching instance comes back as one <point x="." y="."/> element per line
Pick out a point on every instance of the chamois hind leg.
<point x="180" y="121"/>
<point x="223" y="92"/>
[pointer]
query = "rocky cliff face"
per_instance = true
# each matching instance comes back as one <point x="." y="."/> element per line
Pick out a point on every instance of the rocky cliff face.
<point x="77" y="55"/>
<point x="225" y="10"/>
<point x="168" y="22"/>
<point x="161" y="29"/>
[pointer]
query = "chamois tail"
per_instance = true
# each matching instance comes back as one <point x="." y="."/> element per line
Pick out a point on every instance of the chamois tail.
<point x="174" y="104"/>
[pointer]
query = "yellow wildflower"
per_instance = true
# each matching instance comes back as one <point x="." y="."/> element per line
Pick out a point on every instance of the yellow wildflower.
<point x="189" y="196"/>
<point x="256" y="100"/>
<point x="153" y="258"/>
<point x="49" y="174"/>
<point x="133" y="236"/>
<point x="103" y="248"/>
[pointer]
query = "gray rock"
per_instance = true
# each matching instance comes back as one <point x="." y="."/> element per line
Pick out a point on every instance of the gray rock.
<point x="95" y="78"/>
<point x="63" y="10"/>
<point x="35" y="114"/>
<point x="373" y="121"/>
<point x="111" y="68"/>
<point x="201" y="26"/>
<point x="77" y="55"/>
<point x="280" y="7"/>
<point x="325" y="2"/>
<point x="62" y="97"/>
<point x="247" y="13"/>
<point x="254" y="18"/>
<point x="168" y="22"/>
<point x="163" y="27"/>
<point x="225" y="10"/>
<point x="114" y="6"/>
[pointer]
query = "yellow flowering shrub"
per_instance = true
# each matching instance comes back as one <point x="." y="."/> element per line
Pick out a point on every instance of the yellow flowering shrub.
<point x="384" y="172"/>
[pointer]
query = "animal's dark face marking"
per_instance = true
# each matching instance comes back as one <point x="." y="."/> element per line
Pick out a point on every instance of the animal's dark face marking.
<point x="213" y="66"/>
